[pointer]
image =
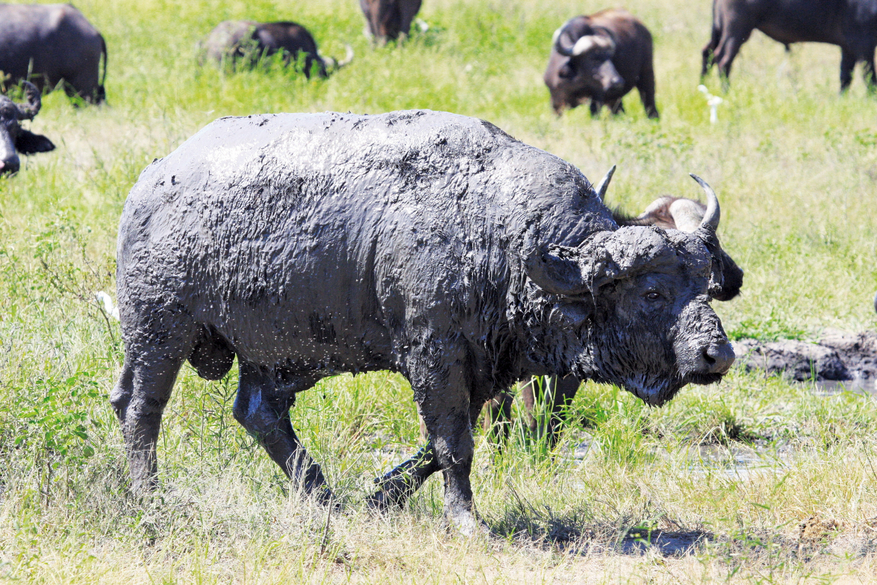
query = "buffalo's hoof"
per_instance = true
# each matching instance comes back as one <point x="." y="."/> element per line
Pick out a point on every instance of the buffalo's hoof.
<point x="381" y="501"/>
<point x="324" y="496"/>
<point x="468" y="524"/>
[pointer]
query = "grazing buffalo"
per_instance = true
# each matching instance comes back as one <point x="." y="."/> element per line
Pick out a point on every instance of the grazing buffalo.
<point x="389" y="19"/>
<point x="14" y="138"/>
<point x="426" y="243"/>
<point x="601" y="57"/>
<point x="849" y="24"/>
<point x="242" y="43"/>
<point x="51" y="43"/>
<point x="669" y="213"/>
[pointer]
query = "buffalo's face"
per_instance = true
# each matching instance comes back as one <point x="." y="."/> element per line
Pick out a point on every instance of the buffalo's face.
<point x="633" y="309"/>
<point x="654" y="331"/>
<point x="679" y="213"/>
<point x="14" y="138"/>
<point x="585" y="71"/>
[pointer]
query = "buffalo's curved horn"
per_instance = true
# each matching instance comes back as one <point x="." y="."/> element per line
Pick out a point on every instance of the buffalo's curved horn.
<point x="589" y="42"/>
<point x="603" y="185"/>
<point x="583" y="45"/>
<point x="348" y="57"/>
<point x="558" y="45"/>
<point x="32" y="108"/>
<point x="334" y="65"/>
<point x="713" y="211"/>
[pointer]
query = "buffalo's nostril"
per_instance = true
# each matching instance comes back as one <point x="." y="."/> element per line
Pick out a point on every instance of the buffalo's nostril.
<point x="719" y="358"/>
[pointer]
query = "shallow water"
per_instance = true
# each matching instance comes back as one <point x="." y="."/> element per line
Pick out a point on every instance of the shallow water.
<point x="830" y="387"/>
<point x="734" y="461"/>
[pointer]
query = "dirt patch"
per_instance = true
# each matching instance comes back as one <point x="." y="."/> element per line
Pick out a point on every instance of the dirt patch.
<point x="838" y="356"/>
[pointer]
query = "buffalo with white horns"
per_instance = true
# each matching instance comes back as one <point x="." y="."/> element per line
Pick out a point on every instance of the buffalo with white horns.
<point x="427" y="243"/>
<point x="601" y="58"/>
<point x="666" y="212"/>
<point x="243" y="43"/>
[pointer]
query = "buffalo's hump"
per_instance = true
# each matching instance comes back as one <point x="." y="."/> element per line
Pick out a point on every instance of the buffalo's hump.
<point x="343" y="230"/>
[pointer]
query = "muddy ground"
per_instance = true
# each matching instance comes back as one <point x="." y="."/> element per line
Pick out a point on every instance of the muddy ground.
<point x="836" y="356"/>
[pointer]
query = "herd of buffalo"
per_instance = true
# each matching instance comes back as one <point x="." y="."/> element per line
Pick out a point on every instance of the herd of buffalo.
<point x="596" y="59"/>
<point x="427" y="243"/>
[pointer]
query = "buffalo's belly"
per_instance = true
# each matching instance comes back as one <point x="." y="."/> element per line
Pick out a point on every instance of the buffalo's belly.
<point x="797" y="28"/>
<point x="304" y="338"/>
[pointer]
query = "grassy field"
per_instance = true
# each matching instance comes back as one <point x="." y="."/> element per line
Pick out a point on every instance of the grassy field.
<point x="751" y="480"/>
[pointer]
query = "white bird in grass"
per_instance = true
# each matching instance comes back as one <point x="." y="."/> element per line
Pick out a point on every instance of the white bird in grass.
<point x="712" y="101"/>
<point x="105" y="302"/>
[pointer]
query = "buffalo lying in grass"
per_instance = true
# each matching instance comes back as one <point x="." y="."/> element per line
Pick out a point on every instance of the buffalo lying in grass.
<point x="243" y="43"/>
<point x="426" y="243"/>
<point x="53" y="43"/>
<point x="13" y="138"/>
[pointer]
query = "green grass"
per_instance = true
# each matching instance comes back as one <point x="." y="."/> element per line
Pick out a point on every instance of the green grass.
<point x="795" y="167"/>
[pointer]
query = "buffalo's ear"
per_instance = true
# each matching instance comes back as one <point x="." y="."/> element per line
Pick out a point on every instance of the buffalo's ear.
<point x="30" y="143"/>
<point x="571" y="313"/>
<point x="556" y="271"/>
<point x="573" y="272"/>
<point x="565" y="71"/>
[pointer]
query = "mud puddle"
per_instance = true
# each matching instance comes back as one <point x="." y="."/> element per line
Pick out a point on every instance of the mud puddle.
<point x="837" y="362"/>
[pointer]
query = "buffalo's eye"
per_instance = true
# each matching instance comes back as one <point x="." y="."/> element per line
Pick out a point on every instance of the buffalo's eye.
<point x="653" y="295"/>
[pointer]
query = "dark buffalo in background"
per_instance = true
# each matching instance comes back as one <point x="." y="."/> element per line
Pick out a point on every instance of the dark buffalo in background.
<point x="425" y="243"/>
<point x="51" y="43"/>
<point x="13" y="138"/>
<point x="389" y="19"/>
<point x="849" y="24"/>
<point x="601" y="57"/>
<point x="242" y="43"/>
<point x="681" y="213"/>
<point x="666" y="212"/>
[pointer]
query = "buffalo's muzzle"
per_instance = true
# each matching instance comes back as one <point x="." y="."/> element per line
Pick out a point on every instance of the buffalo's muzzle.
<point x="10" y="165"/>
<point x="718" y="358"/>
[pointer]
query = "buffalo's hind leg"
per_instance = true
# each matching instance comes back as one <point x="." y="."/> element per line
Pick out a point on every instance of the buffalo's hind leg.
<point x="264" y="398"/>
<point x="144" y="388"/>
<point x="847" y="64"/>
<point x="402" y="481"/>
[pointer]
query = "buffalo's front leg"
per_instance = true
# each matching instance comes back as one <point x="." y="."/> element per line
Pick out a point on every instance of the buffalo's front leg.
<point x="444" y="394"/>
<point x="262" y="407"/>
<point x="438" y="371"/>
<point x="406" y="478"/>
<point x="847" y="64"/>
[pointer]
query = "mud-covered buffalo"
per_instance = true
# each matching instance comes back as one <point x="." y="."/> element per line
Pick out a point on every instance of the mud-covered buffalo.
<point x="426" y="243"/>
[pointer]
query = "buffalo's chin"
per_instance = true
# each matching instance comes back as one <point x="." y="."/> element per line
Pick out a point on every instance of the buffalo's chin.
<point x="703" y="379"/>
<point x="653" y="394"/>
<point x="660" y="394"/>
